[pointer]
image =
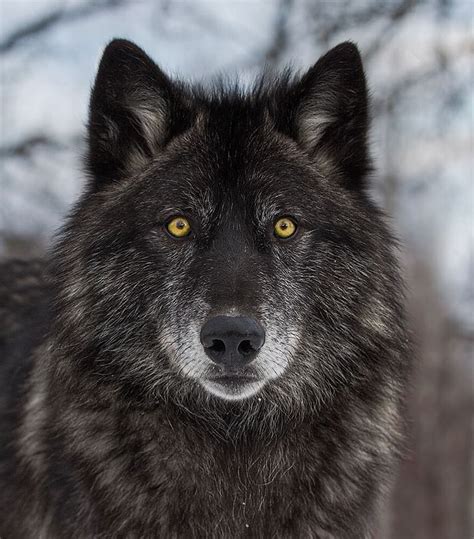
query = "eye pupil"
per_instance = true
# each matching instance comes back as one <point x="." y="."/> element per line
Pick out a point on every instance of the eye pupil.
<point x="285" y="227"/>
<point x="179" y="227"/>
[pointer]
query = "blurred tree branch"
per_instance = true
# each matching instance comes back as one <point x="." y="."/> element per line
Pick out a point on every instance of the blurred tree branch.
<point x="279" y="42"/>
<point x="56" y="16"/>
<point x="395" y="16"/>
<point x="24" y="147"/>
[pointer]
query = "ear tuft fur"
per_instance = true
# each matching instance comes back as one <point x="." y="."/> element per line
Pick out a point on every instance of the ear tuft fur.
<point x="332" y="111"/>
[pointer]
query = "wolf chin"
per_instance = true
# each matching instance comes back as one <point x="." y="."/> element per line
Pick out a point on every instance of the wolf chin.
<point x="216" y="346"/>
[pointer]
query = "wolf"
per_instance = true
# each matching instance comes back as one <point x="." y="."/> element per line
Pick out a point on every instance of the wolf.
<point x="216" y="345"/>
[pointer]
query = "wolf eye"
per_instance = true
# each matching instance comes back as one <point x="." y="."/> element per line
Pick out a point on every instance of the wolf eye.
<point x="284" y="227"/>
<point x="178" y="227"/>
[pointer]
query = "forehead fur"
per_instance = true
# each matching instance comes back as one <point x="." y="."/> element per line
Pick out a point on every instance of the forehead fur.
<point x="234" y="164"/>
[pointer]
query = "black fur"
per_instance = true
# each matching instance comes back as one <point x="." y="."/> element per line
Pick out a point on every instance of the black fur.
<point x="107" y="429"/>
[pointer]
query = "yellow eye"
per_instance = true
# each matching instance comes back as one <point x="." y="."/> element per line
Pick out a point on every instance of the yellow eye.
<point x="285" y="227"/>
<point x="179" y="227"/>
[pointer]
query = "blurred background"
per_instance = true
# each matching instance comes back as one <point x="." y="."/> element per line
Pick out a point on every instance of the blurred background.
<point x="419" y="62"/>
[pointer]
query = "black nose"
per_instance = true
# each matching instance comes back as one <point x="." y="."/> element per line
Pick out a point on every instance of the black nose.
<point x="232" y="341"/>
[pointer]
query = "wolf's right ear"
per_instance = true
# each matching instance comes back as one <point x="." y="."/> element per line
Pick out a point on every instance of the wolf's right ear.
<point x="331" y="113"/>
<point x="134" y="110"/>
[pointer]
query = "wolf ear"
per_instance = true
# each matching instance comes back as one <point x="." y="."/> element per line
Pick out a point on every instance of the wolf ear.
<point x="130" y="115"/>
<point x="332" y="112"/>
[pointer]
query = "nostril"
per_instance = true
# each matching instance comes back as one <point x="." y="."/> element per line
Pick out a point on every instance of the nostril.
<point x="217" y="346"/>
<point x="246" y="348"/>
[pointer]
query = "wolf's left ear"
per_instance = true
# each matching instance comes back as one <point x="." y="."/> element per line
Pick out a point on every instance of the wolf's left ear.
<point x="332" y="111"/>
<point x="134" y="109"/>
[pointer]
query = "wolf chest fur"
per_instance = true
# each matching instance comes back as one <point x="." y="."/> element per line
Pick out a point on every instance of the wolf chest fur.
<point x="216" y="345"/>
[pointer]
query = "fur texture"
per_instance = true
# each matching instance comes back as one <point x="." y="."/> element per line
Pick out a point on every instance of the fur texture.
<point x="110" y="427"/>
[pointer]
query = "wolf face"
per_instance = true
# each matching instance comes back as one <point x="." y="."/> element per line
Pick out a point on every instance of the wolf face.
<point x="225" y="246"/>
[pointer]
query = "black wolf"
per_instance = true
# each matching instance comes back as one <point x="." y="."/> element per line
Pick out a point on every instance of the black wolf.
<point x="216" y="346"/>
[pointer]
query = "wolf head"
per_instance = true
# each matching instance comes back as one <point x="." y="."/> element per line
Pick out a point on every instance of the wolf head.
<point x="225" y="247"/>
